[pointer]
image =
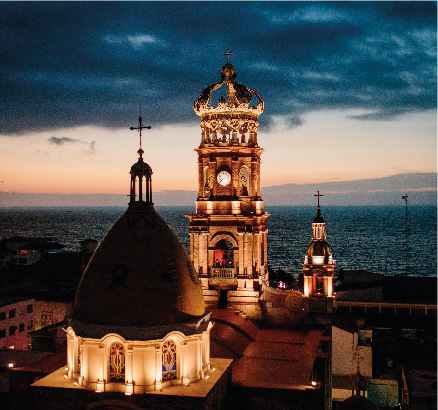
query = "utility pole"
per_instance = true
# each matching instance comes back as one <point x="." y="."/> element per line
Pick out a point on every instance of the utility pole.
<point x="405" y="197"/>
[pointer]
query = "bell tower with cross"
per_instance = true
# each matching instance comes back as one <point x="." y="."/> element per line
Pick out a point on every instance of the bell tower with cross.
<point x="318" y="266"/>
<point x="228" y="231"/>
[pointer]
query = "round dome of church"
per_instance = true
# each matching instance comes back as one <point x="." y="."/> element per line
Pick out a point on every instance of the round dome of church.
<point x="319" y="248"/>
<point x="140" y="275"/>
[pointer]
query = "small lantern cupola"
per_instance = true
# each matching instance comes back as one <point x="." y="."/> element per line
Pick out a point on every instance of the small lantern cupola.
<point x="141" y="175"/>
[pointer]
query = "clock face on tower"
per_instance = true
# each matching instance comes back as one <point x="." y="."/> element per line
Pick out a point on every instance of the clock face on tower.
<point x="224" y="178"/>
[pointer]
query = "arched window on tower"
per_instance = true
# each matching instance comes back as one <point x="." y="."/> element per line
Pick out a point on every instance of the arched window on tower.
<point x="318" y="282"/>
<point x="117" y="363"/>
<point x="169" y="360"/>
<point x="223" y="254"/>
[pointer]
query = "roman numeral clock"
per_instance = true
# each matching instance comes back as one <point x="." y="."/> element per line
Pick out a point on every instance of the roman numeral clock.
<point x="228" y="231"/>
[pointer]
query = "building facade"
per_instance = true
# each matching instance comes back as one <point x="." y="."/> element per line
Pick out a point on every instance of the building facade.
<point x="228" y="231"/>
<point x="17" y="318"/>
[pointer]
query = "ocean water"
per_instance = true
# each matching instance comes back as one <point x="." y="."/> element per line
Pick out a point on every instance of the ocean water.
<point x="371" y="238"/>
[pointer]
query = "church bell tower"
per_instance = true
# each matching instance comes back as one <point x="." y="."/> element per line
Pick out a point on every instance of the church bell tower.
<point x="319" y="265"/>
<point x="228" y="231"/>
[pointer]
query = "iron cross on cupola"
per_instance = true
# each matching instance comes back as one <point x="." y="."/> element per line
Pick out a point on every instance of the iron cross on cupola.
<point x="318" y="195"/>
<point x="228" y="53"/>
<point x="140" y="127"/>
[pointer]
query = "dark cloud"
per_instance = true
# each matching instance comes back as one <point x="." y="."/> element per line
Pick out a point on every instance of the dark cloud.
<point x="66" y="140"/>
<point x="92" y="63"/>
<point x="62" y="140"/>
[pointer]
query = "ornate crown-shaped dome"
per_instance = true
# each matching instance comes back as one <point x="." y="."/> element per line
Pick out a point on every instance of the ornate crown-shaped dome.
<point x="238" y="96"/>
<point x="231" y="121"/>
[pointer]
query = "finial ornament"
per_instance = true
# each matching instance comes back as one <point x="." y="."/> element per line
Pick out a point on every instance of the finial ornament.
<point x="228" y="53"/>
<point x="140" y="127"/>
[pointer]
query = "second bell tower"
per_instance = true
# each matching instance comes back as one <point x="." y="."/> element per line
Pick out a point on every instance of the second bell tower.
<point x="228" y="232"/>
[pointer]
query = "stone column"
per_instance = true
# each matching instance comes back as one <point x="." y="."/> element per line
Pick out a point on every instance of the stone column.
<point x="183" y="370"/>
<point x="203" y="252"/>
<point x="129" y="371"/>
<point x="158" y="369"/>
<point x="200" y="178"/>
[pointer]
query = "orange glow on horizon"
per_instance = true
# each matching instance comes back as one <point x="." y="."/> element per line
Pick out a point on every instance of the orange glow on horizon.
<point x="329" y="147"/>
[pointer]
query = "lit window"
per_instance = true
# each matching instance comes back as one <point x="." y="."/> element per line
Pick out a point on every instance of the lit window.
<point x="117" y="362"/>
<point x="169" y="360"/>
<point x="22" y="252"/>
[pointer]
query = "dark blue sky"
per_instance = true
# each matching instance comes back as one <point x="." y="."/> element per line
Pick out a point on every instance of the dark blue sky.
<point x="79" y="63"/>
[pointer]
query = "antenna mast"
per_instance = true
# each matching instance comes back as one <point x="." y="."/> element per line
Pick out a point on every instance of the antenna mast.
<point x="405" y="197"/>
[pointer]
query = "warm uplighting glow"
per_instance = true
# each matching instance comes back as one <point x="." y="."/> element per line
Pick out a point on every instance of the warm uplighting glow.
<point x="75" y="383"/>
<point x="207" y="377"/>
<point x="329" y="288"/>
<point x="66" y="369"/>
<point x="314" y="383"/>
<point x="11" y="365"/>
<point x="100" y="386"/>
<point x="129" y="389"/>
<point x="306" y="287"/>
<point x="65" y="376"/>
<point x="318" y="259"/>
<point x="214" y="369"/>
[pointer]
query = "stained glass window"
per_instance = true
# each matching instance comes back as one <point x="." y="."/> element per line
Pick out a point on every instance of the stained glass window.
<point x="117" y="362"/>
<point x="169" y="360"/>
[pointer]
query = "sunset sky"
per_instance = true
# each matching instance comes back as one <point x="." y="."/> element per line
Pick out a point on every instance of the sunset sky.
<point x="349" y="89"/>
